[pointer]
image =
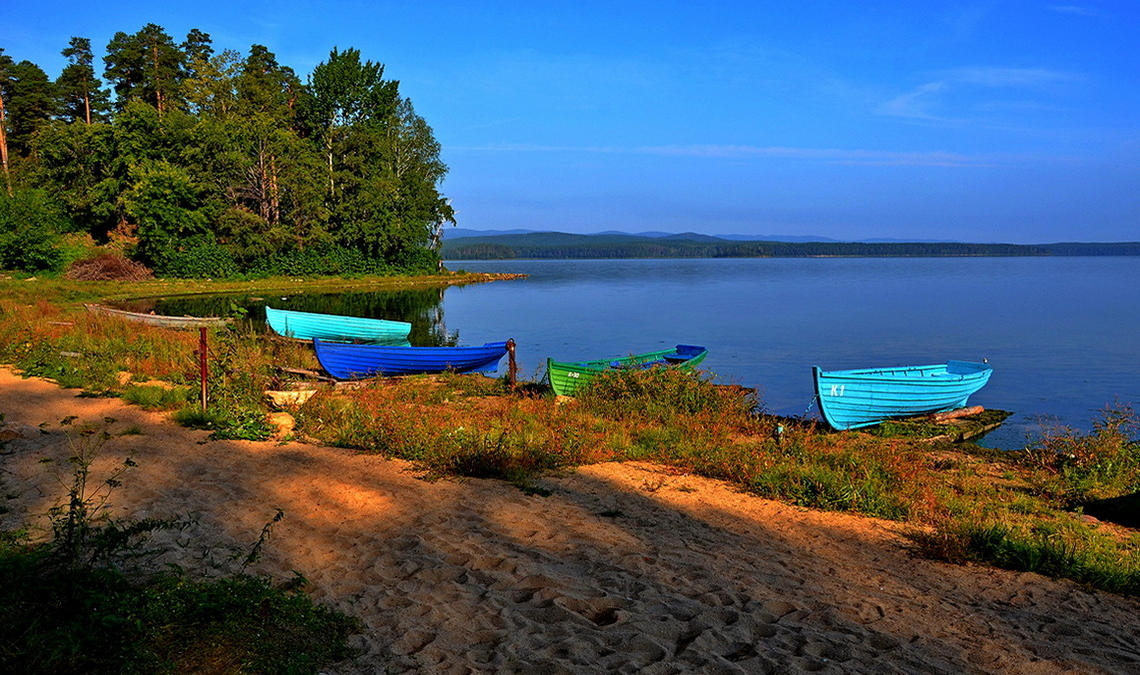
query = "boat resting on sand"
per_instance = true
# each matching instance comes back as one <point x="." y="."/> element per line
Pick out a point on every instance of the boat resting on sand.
<point x="309" y="325"/>
<point x="566" y="378"/>
<point x="161" y="320"/>
<point x="346" y="361"/>
<point x="849" y="399"/>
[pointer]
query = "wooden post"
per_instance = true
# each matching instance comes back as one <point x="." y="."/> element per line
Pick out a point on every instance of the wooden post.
<point x="512" y="366"/>
<point x="203" y="368"/>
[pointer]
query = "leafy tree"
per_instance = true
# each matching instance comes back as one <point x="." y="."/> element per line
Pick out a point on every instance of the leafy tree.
<point x="29" y="102"/>
<point x="30" y="225"/>
<point x="165" y="202"/>
<point x="344" y="93"/>
<point x="79" y="165"/>
<point x="263" y="176"/>
<point x="264" y="86"/>
<point x="81" y="94"/>
<point x="146" y="66"/>
<point x="217" y="162"/>
<point x="211" y="92"/>
<point x="382" y="162"/>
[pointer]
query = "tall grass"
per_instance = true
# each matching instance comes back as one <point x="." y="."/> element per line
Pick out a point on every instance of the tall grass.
<point x="457" y="424"/>
<point x="107" y="356"/>
<point x="1012" y="509"/>
<point x="1072" y="467"/>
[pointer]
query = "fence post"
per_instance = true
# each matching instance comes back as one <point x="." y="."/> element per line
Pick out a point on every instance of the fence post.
<point x="512" y="366"/>
<point x="202" y="365"/>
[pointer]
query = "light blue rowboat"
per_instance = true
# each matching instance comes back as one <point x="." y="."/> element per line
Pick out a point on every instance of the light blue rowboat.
<point x="850" y="399"/>
<point x="309" y="325"/>
<point x="354" y="361"/>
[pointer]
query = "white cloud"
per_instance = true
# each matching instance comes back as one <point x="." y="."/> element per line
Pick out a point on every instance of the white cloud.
<point x="960" y="89"/>
<point x="1076" y="10"/>
<point x="1019" y="78"/>
<point x="915" y="104"/>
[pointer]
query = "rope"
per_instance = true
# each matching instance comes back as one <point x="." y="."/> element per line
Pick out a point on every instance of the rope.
<point x="811" y="404"/>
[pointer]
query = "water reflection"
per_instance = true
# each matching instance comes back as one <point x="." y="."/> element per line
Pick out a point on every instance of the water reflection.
<point x="423" y="308"/>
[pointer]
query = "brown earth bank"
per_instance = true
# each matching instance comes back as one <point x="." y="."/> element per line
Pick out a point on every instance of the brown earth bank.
<point x="623" y="568"/>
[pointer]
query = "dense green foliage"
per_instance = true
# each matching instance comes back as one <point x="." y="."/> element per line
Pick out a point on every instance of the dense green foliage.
<point x="30" y="225"/>
<point x="207" y="164"/>
<point x="561" y="245"/>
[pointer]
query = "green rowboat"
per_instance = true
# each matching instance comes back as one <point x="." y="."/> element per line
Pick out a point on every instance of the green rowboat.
<point x="566" y="378"/>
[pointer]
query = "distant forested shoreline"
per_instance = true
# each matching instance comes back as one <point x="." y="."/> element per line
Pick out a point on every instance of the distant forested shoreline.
<point x="204" y="163"/>
<point x="557" y="245"/>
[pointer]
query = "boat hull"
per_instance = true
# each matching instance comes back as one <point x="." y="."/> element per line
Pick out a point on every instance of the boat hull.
<point x="566" y="378"/>
<point x="309" y="325"/>
<point x="161" y="320"/>
<point x="850" y="399"/>
<point x="356" y="361"/>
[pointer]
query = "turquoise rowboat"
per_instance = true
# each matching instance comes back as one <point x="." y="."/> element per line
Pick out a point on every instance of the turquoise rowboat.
<point x="567" y="377"/>
<point x="308" y="325"/>
<point x="850" y="399"/>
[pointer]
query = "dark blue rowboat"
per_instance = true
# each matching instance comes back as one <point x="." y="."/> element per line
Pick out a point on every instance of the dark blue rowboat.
<point x="850" y="399"/>
<point x="355" y="361"/>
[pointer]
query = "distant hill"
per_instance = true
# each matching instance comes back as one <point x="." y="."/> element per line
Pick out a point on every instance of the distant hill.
<point x="562" y="245"/>
<point x="463" y="233"/>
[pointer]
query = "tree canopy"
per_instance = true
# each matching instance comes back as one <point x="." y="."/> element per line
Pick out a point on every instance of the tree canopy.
<point x="206" y="163"/>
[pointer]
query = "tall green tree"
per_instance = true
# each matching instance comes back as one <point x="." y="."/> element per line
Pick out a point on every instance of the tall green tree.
<point x="196" y="48"/>
<point x="345" y="94"/>
<point x="81" y="94"/>
<point x="5" y="74"/>
<point x="382" y="162"/>
<point x="146" y="66"/>
<point x="29" y="102"/>
<point x="214" y="162"/>
<point x="265" y="86"/>
<point x="211" y="93"/>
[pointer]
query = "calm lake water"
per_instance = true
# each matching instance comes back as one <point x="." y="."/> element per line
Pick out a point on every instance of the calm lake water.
<point x="1063" y="334"/>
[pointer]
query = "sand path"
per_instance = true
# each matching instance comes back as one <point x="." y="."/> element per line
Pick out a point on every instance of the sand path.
<point x="622" y="569"/>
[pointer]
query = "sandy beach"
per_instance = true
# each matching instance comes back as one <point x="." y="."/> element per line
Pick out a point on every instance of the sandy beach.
<point x="623" y="568"/>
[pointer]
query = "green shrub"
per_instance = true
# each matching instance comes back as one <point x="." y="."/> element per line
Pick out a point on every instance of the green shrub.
<point x="155" y="397"/>
<point x="235" y="425"/>
<point x="663" y="394"/>
<point x="85" y="602"/>
<point x="1057" y="549"/>
<point x="202" y="259"/>
<point x="1075" y="467"/>
<point x="30" y="226"/>
<point x="322" y="261"/>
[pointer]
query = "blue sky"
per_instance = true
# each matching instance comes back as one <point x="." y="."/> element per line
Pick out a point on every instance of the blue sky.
<point x="984" y="121"/>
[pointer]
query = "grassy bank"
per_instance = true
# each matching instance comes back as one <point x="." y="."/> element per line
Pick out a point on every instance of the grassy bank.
<point x="1027" y="510"/>
<point x="81" y="598"/>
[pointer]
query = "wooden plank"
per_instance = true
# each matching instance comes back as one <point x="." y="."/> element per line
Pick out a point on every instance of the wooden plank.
<point x="939" y="418"/>
<point x="306" y="373"/>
